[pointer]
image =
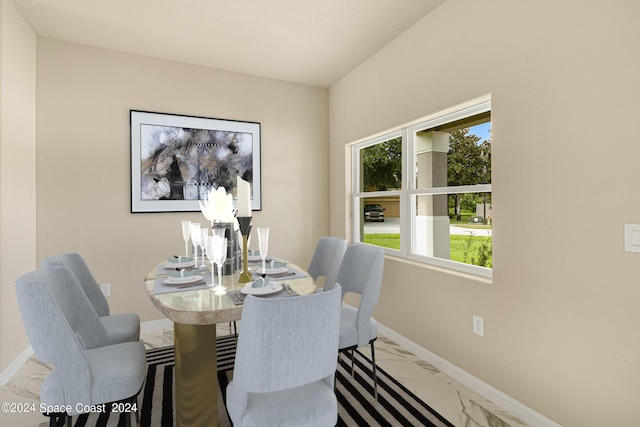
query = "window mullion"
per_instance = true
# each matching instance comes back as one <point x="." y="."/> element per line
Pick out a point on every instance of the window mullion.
<point x="379" y="193"/>
<point x="406" y="223"/>
<point x="478" y="188"/>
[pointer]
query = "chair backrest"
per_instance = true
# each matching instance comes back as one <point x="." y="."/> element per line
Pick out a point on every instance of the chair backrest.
<point x="65" y="302"/>
<point x="361" y="273"/>
<point x="361" y="270"/>
<point x="79" y="268"/>
<point x="327" y="258"/>
<point x="60" y="323"/>
<point x="288" y="342"/>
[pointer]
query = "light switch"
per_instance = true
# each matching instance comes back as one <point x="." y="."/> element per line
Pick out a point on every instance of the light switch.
<point x="632" y="237"/>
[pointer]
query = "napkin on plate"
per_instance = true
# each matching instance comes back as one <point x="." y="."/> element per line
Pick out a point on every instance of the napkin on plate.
<point x="182" y="273"/>
<point x="179" y="259"/>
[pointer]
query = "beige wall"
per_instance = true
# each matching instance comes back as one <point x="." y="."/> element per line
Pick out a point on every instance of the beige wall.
<point x="561" y="315"/>
<point x="84" y="96"/>
<point x="17" y="171"/>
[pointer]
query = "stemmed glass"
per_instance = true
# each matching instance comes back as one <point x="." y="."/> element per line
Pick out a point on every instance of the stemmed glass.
<point x="211" y="255"/>
<point x="204" y="236"/>
<point x="186" y="234"/>
<point x="218" y="250"/>
<point x="263" y="246"/>
<point x="195" y="239"/>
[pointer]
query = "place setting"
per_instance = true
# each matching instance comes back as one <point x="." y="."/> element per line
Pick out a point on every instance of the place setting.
<point x="277" y="270"/>
<point x="181" y="274"/>
<point x="263" y="287"/>
<point x="192" y="273"/>
<point x="176" y="263"/>
<point x="184" y="278"/>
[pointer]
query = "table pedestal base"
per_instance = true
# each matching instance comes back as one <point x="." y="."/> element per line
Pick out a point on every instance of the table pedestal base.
<point x="196" y="375"/>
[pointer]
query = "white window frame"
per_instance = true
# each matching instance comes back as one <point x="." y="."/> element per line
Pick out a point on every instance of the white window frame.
<point x="358" y="195"/>
<point x="408" y="193"/>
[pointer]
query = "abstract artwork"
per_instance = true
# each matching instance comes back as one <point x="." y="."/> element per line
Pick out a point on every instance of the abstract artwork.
<point x="176" y="160"/>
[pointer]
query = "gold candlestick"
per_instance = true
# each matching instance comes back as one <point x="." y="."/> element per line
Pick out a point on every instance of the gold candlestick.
<point x="245" y="276"/>
<point x="245" y="229"/>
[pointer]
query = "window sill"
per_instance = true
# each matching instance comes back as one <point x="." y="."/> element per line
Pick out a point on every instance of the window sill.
<point x="421" y="264"/>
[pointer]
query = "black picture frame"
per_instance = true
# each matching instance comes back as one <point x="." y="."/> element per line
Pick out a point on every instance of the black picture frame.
<point x="177" y="159"/>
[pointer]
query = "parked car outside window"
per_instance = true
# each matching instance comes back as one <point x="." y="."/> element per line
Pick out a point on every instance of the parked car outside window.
<point x="373" y="213"/>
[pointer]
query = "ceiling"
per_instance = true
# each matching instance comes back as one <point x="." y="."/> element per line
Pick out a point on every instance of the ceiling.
<point x="313" y="42"/>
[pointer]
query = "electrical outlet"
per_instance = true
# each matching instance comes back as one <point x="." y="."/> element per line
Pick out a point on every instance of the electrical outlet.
<point x="478" y="325"/>
<point x="106" y="289"/>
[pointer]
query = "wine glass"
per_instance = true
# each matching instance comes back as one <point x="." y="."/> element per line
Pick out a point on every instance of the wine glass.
<point x="263" y="246"/>
<point x="204" y="236"/>
<point x="186" y="234"/>
<point x="222" y="257"/>
<point x="218" y="248"/>
<point x="220" y="233"/>
<point x="195" y="238"/>
<point x="211" y="254"/>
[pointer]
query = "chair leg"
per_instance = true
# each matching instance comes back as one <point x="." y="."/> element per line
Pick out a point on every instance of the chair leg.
<point x="335" y="374"/>
<point x="353" y="372"/>
<point x="235" y="329"/>
<point x="137" y="412"/>
<point x="375" y="375"/>
<point x="69" y="420"/>
<point x="59" y="419"/>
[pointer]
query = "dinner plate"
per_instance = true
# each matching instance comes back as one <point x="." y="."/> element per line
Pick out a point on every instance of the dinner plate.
<point x="269" y="288"/>
<point x="180" y="264"/>
<point x="183" y="280"/>
<point x="275" y="270"/>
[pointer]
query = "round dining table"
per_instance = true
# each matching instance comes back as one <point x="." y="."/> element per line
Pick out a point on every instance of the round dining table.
<point x="195" y="311"/>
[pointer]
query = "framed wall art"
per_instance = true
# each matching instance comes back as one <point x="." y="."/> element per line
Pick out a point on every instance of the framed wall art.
<point x="177" y="159"/>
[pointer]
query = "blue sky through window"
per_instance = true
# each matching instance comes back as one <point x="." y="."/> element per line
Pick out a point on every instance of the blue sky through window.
<point x="481" y="130"/>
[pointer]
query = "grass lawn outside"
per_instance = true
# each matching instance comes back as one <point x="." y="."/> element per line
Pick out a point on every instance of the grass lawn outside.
<point x="474" y="250"/>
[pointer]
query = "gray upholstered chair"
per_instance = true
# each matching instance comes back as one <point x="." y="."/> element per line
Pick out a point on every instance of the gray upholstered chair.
<point x="360" y="273"/>
<point x="120" y="327"/>
<point x="286" y="361"/>
<point x="65" y="332"/>
<point x="327" y="258"/>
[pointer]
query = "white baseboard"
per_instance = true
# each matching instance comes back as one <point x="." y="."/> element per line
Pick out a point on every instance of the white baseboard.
<point x="17" y="363"/>
<point x="523" y="412"/>
<point x="153" y="325"/>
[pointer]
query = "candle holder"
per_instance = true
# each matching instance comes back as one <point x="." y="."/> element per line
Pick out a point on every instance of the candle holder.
<point x="245" y="229"/>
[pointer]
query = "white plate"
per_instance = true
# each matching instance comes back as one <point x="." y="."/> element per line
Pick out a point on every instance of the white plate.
<point x="253" y="258"/>
<point x="269" y="288"/>
<point x="183" y="280"/>
<point x="277" y="270"/>
<point x="180" y="264"/>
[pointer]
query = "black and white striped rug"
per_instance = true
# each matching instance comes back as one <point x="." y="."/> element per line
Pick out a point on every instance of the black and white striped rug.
<point x="396" y="406"/>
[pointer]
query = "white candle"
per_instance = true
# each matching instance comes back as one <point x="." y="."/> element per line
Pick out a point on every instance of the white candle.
<point x="244" y="198"/>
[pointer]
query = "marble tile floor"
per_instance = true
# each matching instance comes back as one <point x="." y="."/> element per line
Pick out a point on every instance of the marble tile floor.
<point x="457" y="403"/>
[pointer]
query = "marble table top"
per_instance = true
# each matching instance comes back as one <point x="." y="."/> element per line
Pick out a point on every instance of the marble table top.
<point x="203" y="306"/>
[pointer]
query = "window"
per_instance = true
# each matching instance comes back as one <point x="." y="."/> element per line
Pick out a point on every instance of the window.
<point x="424" y="192"/>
